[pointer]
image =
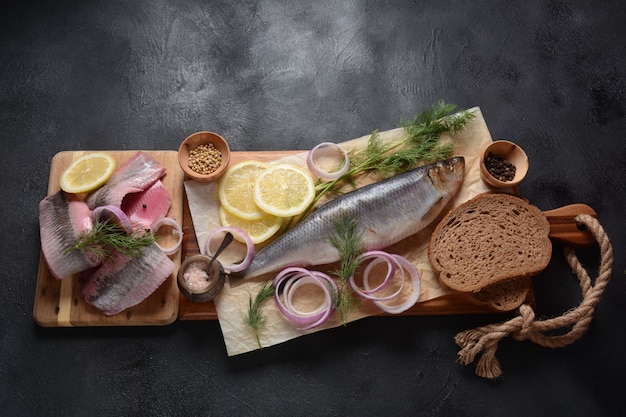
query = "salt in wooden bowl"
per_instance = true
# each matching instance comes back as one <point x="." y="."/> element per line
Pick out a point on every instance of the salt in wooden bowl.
<point x="193" y="286"/>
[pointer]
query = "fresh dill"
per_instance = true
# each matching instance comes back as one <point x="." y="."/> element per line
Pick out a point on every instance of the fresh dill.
<point x="348" y="242"/>
<point x="255" y="318"/>
<point x="421" y="145"/>
<point x="106" y="237"/>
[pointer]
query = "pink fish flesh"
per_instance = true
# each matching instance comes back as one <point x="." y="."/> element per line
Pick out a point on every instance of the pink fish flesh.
<point x="136" y="175"/>
<point x="122" y="282"/>
<point x="61" y="221"/>
<point x="145" y="207"/>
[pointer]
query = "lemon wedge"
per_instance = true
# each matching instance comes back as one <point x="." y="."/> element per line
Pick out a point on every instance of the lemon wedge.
<point x="259" y="230"/>
<point x="88" y="172"/>
<point x="236" y="189"/>
<point x="284" y="190"/>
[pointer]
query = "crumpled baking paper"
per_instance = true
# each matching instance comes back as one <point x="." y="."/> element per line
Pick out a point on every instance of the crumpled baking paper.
<point x="233" y="302"/>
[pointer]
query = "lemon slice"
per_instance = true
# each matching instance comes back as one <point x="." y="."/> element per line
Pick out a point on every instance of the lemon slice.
<point x="259" y="230"/>
<point x="284" y="190"/>
<point x="88" y="172"/>
<point x="236" y="189"/>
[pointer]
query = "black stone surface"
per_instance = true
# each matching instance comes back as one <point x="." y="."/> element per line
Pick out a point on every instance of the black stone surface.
<point x="119" y="75"/>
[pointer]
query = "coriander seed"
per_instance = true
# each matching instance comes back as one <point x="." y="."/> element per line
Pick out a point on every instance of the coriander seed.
<point x="205" y="159"/>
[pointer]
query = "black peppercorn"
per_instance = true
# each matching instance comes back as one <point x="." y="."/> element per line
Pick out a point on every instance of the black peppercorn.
<point x="499" y="167"/>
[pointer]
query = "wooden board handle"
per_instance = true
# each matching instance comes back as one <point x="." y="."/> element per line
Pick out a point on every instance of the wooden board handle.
<point x="565" y="230"/>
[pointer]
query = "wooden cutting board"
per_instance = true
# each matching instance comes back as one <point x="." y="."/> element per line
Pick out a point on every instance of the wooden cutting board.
<point x="448" y="304"/>
<point x="563" y="230"/>
<point x="59" y="303"/>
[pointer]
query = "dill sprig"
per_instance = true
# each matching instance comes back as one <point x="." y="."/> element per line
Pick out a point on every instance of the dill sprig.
<point x="106" y="237"/>
<point x="255" y="318"/>
<point x="348" y="242"/>
<point x="421" y="145"/>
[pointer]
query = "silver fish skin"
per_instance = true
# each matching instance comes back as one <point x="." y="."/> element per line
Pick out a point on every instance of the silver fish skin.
<point x="62" y="219"/>
<point x="135" y="175"/>
<point x="387" y="211"/>
<point x="122" y="282"/>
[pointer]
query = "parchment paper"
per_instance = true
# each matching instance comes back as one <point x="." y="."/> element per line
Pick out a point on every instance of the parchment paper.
<point x="232" y="303"/>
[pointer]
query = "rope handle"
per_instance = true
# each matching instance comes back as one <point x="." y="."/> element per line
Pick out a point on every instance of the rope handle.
<point x="524" y="326"/>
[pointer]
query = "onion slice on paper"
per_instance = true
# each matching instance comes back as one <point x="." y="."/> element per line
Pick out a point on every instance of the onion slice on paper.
<point x="177" y="231"/>
<point x="369" y="293"/>
<point x="114" y="215"/>
<point x="215" y="238"/>
<point x="327" y="150"/>
<point x="396" y="267"/>
<point x="287" y="283"/>
<point x="413" y="296"/>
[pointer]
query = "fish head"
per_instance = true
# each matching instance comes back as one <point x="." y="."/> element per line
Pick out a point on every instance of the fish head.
<point x="447" y="175"/>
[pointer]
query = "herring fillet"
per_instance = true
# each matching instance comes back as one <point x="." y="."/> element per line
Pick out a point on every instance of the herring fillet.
<point x="145" y="207"/>
<point x="122" y="282"/>
<point x="387" y="212"/>
<point x="137" y="174"/>
<point x="61" y="221"/>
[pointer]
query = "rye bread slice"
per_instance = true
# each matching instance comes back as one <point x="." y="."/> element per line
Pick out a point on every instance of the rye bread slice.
<point x="504" y="296"/>
<point x="488" y="240"/>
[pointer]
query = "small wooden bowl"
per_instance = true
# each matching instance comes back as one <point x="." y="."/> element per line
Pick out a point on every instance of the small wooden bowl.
<point x="212" y="288"/>
<point x="201" y="138"/>
<point x="512" y="153"/>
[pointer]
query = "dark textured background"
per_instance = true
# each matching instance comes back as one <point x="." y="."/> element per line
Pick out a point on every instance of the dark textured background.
<point x="120" y="75"/>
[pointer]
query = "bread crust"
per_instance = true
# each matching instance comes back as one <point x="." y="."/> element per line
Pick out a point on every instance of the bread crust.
<point x="489" y="240"/>
<point x="503" y="296"/>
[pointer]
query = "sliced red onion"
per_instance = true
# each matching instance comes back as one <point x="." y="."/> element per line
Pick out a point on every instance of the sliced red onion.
<point x="294" y="278"/>
<point x="372" y="293"/>
<point x="404" y="264"/>
<point x="178" y="232"/>
<point x="217" y="236"/>
<point x="113" y="214"/>
<point x="327" y="149"/>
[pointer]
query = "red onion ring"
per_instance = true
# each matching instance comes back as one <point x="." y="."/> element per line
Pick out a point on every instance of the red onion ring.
<point x="404" y="264"/>
<point x="371" y="293"/>
<point x="326" y="149"/>
<point x="294" y="278"/>
<point x="234" y="266"/>
<point x="178" y="231"/>
<point x="113" y="214"/>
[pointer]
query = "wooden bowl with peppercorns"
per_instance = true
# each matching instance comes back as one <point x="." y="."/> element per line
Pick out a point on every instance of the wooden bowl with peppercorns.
<point x="204" y="156"/>
<point x="503" y="164"/>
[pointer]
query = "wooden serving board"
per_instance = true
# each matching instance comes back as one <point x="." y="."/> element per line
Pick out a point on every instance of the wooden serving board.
<point x="447" y="304"/>
<point x="59" y="303"/>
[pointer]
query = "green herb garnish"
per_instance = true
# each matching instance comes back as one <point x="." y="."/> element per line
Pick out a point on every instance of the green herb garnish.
<point x="255" y="318"/>
<point x="348" y="242"/>
<point x="421" y="146"/>
<point x="106" y="237"/>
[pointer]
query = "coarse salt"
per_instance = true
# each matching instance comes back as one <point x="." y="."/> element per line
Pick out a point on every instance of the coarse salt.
<point x="196" y="277"/>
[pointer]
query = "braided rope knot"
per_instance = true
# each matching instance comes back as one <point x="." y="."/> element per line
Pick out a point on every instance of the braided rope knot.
<point x="484" y="340"/>
<point x="527" y="314"/>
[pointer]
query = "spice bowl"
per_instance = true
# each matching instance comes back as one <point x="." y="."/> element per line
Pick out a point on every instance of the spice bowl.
<point x="200" y="148"/>
<point x="198" y="283"/>
<point x="510" y="154"/>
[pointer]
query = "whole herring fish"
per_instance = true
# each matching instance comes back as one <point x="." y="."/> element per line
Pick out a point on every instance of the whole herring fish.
<point x="388" y="211"/>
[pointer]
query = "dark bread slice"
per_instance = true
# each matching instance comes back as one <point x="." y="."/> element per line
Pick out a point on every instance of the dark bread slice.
<point x="504" y="296"/>
<point x="488" y="240"/>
